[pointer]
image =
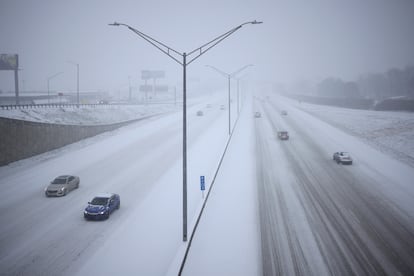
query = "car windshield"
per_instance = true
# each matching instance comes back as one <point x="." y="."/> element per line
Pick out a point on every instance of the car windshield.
<point x="100" y="201"/>
<point x="59" y="180"/>
<point x="344" y="154"/>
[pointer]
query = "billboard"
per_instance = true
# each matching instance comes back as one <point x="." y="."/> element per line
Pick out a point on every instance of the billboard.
<point x="9" y="62"/>
<point x="145" y="88"/>
<point x="161" y="88"/>
<point x="150" y="88"/>
<point x="147" y="74"/>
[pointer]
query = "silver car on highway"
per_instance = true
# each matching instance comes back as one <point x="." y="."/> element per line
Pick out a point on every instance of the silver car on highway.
<point x="61" y="185"/>
<point x="342" y="158"/>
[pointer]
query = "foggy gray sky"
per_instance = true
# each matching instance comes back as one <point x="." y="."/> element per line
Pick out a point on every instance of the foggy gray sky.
<point x="298" y="40"/>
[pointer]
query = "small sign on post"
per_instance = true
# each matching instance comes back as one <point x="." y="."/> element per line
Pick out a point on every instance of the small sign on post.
<point x="202" y="184"/>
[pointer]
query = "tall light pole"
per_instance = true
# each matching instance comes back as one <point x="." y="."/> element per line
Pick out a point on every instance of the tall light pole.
<point x="129" y="88"/>
<point x="185" y="60"/>
<point x="238" y="93"/>
<point x="48" y="90"/>
<point x="229" y="76"/>
<point x="77" y="81"/>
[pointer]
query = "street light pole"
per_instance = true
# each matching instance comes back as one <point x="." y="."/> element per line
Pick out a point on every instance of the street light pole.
<point x="238" y="93"/>
<point x="184" y="62"/>
<point x="184" y="146"/>
<point x="77" y="81"/>
<point x="238" y="96"/>
<point x="48" y="90"/>
<point x="129" y="89"/>
<point x="229" y="76"/>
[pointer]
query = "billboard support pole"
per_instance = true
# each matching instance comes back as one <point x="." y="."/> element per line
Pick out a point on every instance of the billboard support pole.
<point x="11" y="62"/>
<point x="16" y="80"/>
<point x="146" y="93"/>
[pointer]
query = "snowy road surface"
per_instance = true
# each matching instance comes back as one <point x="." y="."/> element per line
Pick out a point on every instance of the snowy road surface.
<point x="141" y="162"/>
<point x="321" y="218"/>
<point x="316" y="217"/>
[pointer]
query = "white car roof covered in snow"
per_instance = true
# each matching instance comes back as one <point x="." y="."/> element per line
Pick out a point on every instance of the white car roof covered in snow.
<point x="105" y="195"/>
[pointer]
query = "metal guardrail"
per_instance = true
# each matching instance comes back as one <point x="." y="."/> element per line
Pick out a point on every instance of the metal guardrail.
<point x="55" y="105"/>
<point x="31" y="106"/>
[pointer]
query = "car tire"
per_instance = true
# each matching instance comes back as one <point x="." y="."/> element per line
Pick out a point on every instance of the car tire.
<point x="77" y="185"/>
<point x="107" y="215"/>
<point x="119" y="205"/>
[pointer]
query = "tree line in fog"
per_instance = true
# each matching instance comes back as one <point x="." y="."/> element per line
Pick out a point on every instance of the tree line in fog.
<point x="377" y="86"/>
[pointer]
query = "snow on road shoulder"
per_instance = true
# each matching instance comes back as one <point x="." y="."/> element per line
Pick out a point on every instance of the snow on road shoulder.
<point x="86" y="115"/>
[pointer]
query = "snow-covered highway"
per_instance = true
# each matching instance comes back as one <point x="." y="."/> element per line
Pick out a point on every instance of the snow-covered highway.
<point x="311" y="215"/>
<point x="48" y="236"/>
<point x="321" y="218"/>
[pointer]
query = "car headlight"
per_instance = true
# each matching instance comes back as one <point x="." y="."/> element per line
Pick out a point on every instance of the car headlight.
<point x="101" y="213"/>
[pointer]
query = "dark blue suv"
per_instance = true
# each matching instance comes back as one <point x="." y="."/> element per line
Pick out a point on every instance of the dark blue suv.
<point x="102" y="206"/>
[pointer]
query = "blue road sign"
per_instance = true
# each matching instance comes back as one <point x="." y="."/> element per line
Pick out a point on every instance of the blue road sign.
<point x="202" y="183"/>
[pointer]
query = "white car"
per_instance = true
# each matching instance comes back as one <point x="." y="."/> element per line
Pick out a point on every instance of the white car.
<point x="342" y="157"/>
<point x="61" y="185"/>
<point x="283" y="135"/>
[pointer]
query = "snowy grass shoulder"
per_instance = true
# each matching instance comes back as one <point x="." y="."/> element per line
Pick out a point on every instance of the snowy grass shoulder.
<point x="88" y="115"/>
<point x="100" y="114"/>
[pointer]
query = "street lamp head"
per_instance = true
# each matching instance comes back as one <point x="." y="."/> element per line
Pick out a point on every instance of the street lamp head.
<point x="114" y="24"/>
<point x="251" y="22"/>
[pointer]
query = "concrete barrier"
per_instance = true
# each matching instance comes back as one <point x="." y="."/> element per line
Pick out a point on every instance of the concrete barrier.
<point x="22" y="139"/>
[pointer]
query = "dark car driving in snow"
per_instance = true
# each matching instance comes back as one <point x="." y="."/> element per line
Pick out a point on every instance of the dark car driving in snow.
<point x="102" y="206"/>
